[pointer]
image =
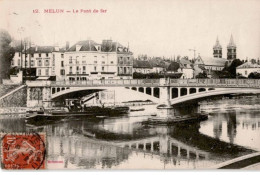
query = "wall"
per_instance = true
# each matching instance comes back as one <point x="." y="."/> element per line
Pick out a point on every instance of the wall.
<point x="17" y="99"/>
<point x="246" y="71"/>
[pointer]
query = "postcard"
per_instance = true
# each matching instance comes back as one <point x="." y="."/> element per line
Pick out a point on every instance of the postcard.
<point x="129" y="85"/>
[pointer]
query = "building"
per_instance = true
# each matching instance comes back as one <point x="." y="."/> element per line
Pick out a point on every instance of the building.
<point x="142" y="66"/>
<point x="90" y="60"/>
<point x="247" y="68"/>
<point x="210" y="64"/>
<point x="158" y="65"/>
<point x="231" y="49"/>
<point x="186" y="68"/>
<point x="38" y="61"/>
<point x="217" y="50"/>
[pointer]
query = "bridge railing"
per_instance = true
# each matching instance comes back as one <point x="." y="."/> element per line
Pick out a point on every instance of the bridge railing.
<point x="112" y="82"/>
<point x="216" y="82"/>
<point x="254" y="83"/>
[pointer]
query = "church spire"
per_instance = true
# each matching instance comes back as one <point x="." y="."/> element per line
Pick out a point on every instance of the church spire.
<point x="231" y="49"/>
<point x="217" y="50"/>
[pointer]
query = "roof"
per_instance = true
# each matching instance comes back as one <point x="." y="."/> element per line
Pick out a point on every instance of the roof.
<point x="40" y="49"/>
<point x="217" y="45"/>
<point x="86" y="45"/>
<point x="106" y="46"/>
<point x="157" y="62"/>
<point x="210" y="61"/>
<point x="231" y="42"/>
<point x="185" y="63"/>
<point x="142" y="64"/>
<point x="248" y="65"/>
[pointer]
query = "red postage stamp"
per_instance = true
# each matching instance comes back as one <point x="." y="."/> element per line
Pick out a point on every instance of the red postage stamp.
<point x="23" y="151"/>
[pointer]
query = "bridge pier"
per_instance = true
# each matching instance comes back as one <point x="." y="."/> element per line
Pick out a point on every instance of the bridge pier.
<point x="165" y="97"/>
<point x="39" y="97"/>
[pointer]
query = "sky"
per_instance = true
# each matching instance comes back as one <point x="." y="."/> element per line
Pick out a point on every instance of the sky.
<point x="154" y="27"/>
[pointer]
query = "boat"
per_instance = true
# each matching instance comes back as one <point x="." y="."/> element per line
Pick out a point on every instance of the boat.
<point x="177" y="120"/>
<point x="90" y="112"/>
<point x="139" y="109"/>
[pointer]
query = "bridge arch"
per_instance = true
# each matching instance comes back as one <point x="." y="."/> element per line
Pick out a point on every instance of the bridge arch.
<point x="215" y="92"/>
<point x="130" y="94"/>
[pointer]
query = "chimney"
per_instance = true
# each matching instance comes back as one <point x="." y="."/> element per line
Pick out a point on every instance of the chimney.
<point x="56" y="48"/>
<point x="36" y="48"/>
<point x="78" y="47"/>
<point x="67" y="45"/>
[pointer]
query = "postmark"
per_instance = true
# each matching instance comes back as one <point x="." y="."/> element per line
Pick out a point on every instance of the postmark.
<point x="23" y="151"/>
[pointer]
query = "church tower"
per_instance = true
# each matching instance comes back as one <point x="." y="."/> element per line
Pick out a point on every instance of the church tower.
<point x="231" y="49"/>
<point x="217" y="50"/>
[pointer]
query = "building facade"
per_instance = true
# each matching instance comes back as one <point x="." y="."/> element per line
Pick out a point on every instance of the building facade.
<point x="38" y="61"/>
<point x="247" y="68"/>
<point x="90" y="60"/>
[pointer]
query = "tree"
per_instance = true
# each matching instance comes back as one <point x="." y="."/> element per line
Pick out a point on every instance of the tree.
<point x="6" y="54"/>
<point x="202" y="75"/>
<point x="232" y="67"/>
<point x="254" y="75"/>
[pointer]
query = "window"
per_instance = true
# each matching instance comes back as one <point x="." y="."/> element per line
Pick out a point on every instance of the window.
<point x="77" y="60"/>
<point x="62" y="72"/>
<point x="95" y="62"/>
<point x="46" y="71"/>
<point x="70" y="70"/>
<point x="95" y="68"/>
<point x="62" y="63"/>
<point x="32" y="63"/>
<point x="78" y="70"/>
<point x="26" y="63"/>
<point x="19" y="62"/>
<point x="39" y="72"/>
<point x="62" y="55"/>
<point x="70" y="60"/>
<point x="103" y="62"/>
<point x="32" y="55"/>
<point x="84" y="60"/>
<point x="47" y="54"/>
<point x="103" y="68"/>
<point x="84" y="69"/>
<point x="40" y="55"/>
<point x="40" y="63"/>
<point x="47" y="63"/>
<point x="246" y="72"/>
<point x="19" y="54"/>
<point x="112" y="62"/>
<point x="53" y="61"/>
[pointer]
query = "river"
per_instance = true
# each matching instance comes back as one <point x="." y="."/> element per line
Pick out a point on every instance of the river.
<point x="129" y="142"/>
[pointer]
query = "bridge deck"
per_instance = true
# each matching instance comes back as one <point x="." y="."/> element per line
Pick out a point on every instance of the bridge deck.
<point x="241" y="83"/>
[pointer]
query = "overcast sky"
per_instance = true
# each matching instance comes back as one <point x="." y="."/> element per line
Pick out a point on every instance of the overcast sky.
<point x="153" y="27"/>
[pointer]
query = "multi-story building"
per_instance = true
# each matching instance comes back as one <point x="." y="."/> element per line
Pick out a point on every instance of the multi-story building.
<point x="90" y="60"/>
<point x="42" y="60"/>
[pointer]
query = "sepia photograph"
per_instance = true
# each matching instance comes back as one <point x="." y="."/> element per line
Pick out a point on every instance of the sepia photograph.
<point x="129" y="85"/>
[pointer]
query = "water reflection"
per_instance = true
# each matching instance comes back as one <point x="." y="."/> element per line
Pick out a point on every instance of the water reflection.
<point x="130" y="143"/>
